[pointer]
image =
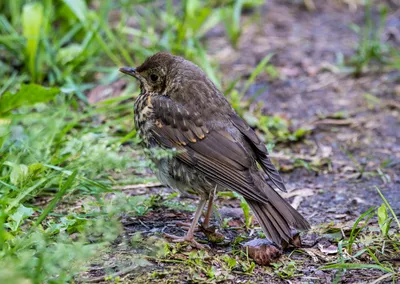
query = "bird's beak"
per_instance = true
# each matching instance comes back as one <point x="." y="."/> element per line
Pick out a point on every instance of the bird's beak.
<point x="130" y="71"/>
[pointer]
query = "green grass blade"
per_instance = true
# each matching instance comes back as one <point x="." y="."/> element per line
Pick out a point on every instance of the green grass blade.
<point x="117" y="42"/>
<point x="83" y="179"/>
<point x="356" y="266"/>
<point x="388" y="206"/>
<point x="260" y="67"/>
<point x="205" y="64"/>
<point x="8" y="185"/>
<point x="57" y="198"/>
<point x="79" y="8"/>
<point x="354" y="231"/>
<point x="32" y="18"/>
<point x="25" y="193"/>
<point x="3" y="232"/>
<point x="8" y="83"/>
<point x="77" y="90"/>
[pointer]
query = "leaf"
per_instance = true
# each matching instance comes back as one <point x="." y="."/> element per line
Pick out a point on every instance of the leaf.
<point x="383" y="219"/>
<point x="19" y="215"/>
<point x="230" y="261"/>
<point x="191" y="6"/>
<point x="68" y="53"/>
<point x="18" y="173"/>
<point x="301" y="132"/>
<point x="22" y="194"/>
<point x="79" y="8"/>
<point x="35" y="169"/>
<point x="32" y="18"/>
<point x="27" y="95"/>
<point x="246" y="211"/>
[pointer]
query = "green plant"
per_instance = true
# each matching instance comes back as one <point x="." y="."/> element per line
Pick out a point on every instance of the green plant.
<point x="63" y="161"/>
<point x="285" y="270"/>
<point x="26" y="96"/>
<point x="370" y="46"/>
<point x="372" y="244"/>
<point x="51" y="152"/>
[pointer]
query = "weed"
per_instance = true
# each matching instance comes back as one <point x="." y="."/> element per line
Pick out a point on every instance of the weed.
<point x="56" y="151"/>
<point x="370" y="46"/>
<point x="372" y="244"/>
<point x="285" y="270"/>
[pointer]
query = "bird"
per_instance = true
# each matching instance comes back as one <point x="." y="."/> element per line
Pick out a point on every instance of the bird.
<point x="180" y="109"/>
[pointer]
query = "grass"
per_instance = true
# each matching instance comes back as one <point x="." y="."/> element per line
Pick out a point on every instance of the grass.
<point x="370" y="47"/>
<point x="377" y="246"/>
<point x="57" y="150"/>
<point x="61" y="158"/>
<point x="52" y="155"/>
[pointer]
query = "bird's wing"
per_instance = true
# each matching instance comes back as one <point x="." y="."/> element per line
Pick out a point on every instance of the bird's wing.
<point x="260" y="150"/>
<point x="214" y="153"/>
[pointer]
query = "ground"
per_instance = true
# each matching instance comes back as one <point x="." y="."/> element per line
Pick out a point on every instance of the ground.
<point x="352" y="148"/>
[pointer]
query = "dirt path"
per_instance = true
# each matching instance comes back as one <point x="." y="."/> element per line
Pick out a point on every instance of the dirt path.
<point x="352" y="155"/>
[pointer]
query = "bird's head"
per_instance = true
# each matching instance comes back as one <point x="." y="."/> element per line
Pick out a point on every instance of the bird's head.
<point x="153" y="73"/>
<point x="162" y="71"/>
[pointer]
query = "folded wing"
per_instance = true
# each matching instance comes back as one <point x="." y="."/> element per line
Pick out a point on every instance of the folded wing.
<point x="213" y="152"/>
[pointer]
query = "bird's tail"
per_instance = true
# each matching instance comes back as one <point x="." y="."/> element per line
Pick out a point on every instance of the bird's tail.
<point x="277" y="217"/>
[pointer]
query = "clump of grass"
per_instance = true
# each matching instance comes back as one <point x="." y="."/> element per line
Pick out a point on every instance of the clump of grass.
<point x="370" y="46"/>
<point x="53" y="155"/>
<point x="379" y="247"/>
<point x="273" y="128"/>
<point x="232" y="18"/>
<point x="59" y="157"/>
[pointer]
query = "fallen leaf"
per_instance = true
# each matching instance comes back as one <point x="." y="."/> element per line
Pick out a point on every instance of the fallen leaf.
<point x="332" y="249"/>
<point x="101" y="93"/>
<point x="262" y="251"/>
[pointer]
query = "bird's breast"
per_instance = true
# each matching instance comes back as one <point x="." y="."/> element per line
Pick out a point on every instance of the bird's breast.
<point x="143" y="113"/>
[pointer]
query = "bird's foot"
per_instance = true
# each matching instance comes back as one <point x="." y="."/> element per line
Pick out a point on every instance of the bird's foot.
<point x="185" y="239"/>
<point x="210" y="231"/>
<point x="186" y="225"/>
<point x="212" y="234"/>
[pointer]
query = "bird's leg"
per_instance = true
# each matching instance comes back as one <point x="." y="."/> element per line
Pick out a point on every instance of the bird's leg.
<point x="211" y="231"/>
<point x="189" y="237"/>
<point x="209" y="208"/>
<point x="207" y="217"/>
<point x="208" y="213"/>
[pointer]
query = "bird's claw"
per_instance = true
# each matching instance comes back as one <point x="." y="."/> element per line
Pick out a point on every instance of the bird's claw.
<point x="186" y="239"/>
<point x="185" y="225"/>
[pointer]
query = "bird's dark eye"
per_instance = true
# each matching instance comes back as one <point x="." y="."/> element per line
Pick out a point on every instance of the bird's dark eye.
<point x="153" y="77"/>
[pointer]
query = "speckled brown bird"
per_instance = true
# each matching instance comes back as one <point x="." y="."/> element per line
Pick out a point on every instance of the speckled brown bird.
<point x="180" y="108"/>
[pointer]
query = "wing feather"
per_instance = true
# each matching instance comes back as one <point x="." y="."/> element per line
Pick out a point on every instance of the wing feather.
<point x="260" y="150"/>
<point x="213" y="152"/>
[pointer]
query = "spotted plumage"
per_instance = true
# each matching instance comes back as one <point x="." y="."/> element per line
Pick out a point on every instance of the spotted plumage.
<point x="180" y="108"/>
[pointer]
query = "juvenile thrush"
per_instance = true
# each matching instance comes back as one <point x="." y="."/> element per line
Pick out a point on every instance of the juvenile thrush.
<point x="180" y="108"/>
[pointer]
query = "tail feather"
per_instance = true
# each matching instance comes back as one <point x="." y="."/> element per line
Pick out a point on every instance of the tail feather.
<point x="277" y="217"/>
<point x="278" y="220"/>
